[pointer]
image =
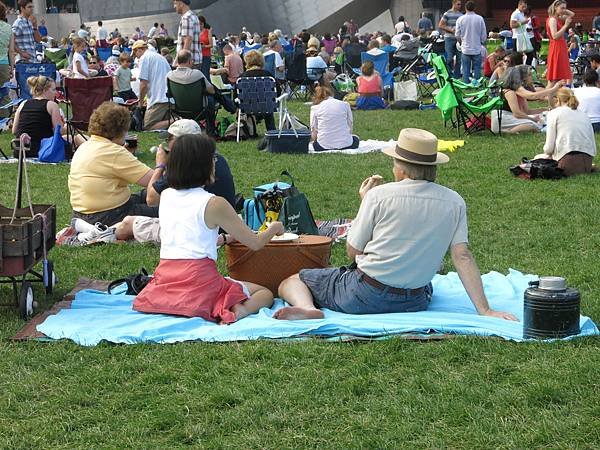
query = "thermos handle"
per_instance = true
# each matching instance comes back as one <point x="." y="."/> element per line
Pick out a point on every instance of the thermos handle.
<point x="535" y="283"/>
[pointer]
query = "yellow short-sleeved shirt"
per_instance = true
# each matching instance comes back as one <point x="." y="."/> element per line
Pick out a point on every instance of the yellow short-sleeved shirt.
<point x="101" y="172"/>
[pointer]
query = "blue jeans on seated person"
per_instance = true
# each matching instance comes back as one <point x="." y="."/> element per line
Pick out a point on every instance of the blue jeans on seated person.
<point x="596" y="127"/>
<point x="451" y="52"/>
<point x="318" y="148"/>
<point x="369" y="103"/>
<point x="343" y="289"/>
<point x="470" y="64"/>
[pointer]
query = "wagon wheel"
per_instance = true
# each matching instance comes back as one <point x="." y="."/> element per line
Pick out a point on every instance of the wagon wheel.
<point x="50" y="278"/>
<point x="26" y="300"/>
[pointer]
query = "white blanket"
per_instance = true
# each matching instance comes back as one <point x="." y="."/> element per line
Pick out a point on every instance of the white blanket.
<point x="368" y="146"/>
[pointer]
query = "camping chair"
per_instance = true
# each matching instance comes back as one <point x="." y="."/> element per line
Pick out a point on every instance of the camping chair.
<point x="82" y="97"/>
<point x="190" y="101"/>
<point x="296" y="77"/>
<point x="104" y="53"/>
<point x="381" y="63"/>
<point x="471" y="117"/>
<point x="26" y="70"/>
<point x="255" y="95"/>
<point x="58" y="56"/>
<point x="443" y="77"/>
<point x="270" y="64"/>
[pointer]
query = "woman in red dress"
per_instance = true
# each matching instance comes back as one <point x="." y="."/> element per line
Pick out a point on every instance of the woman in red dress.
<point x="206" y="46"/>
<point x="558" y="22"/>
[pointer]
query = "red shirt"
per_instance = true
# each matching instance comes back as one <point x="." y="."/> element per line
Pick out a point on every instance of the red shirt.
<point x="205" y="40"/>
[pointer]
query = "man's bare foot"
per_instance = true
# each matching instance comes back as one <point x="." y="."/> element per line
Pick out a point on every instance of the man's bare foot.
<point x="240" y="311"/>
<point x="295" y="313"/>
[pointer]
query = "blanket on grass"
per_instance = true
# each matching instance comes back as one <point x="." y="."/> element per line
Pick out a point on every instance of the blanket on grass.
<point x="96" y="316"/>
<point x="372" y="145"/>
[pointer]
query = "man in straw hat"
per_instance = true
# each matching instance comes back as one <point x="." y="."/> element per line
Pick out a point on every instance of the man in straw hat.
<point x="397" y="242"/>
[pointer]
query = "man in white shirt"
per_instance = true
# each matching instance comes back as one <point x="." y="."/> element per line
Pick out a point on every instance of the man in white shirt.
<point x="153" y="86"/>
<point x="102" y="36"/>
<point x="588" y="97"/>
<point x="152" y="33"/>
<point x="83" y="33"/>
<point x="397" y="241"/>
<point x="471" y="33"/>
<point x="517" y="20"/>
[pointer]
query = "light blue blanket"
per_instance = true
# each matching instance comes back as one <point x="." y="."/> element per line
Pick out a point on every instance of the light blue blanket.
<point x="96" y="316"/>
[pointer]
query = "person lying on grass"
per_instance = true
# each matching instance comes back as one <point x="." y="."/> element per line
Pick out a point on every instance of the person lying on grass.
<point x="397" y="243"/>
<point x="186" y="281"/>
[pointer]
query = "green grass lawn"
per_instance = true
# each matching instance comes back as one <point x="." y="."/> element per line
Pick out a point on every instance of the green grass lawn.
<point x="459" y="393"/>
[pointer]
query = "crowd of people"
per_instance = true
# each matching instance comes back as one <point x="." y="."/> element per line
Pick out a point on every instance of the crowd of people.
<point x="187" y="201"/>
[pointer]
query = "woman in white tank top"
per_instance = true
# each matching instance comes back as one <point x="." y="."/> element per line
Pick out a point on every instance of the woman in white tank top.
<point x="186" y="281"/>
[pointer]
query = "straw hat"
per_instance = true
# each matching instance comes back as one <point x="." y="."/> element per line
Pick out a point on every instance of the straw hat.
<point x="416" y="146"/>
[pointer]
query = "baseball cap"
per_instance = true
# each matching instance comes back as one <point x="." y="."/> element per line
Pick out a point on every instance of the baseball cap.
<point x="139" y="44"/>
<point x="182" y="127"/>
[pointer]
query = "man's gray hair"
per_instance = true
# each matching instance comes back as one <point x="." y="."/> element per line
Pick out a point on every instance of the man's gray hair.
<point x="416" y="171"/>
<point x="184" y="56"/>
<point x="277" y="32"/>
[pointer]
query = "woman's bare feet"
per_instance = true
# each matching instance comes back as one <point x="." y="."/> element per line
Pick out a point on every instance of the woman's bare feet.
<point x="295" y="313"/>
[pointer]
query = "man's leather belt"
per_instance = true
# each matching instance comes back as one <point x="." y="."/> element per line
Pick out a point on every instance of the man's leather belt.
<point x="376" y="284"/>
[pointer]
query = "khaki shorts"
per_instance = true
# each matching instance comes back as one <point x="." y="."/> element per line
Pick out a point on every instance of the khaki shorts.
<point x="156" y="113"/>
<point x="146" y="229"/>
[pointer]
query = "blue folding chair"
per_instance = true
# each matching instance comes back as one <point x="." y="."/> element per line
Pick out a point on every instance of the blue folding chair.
<point x="26" y="70"/>
<point x="381" y="63"/>
<point x="270" y="64"/>
<point x="248" y="48"/>
<point x="255" y="95"/>
<point x="104" y="53"/>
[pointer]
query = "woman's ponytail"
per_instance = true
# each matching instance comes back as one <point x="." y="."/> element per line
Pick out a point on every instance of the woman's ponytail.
<point x="566" y="97"/>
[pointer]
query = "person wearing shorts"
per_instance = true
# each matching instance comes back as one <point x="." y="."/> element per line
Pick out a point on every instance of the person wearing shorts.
<point x="397" y="242"/>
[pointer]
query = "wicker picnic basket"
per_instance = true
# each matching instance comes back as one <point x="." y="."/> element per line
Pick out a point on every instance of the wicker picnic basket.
<point x="277" y="261"/>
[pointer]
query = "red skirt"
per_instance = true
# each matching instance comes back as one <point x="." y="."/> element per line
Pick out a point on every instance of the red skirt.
<point x="191" y="288"/>
<point x="558" y="66"/>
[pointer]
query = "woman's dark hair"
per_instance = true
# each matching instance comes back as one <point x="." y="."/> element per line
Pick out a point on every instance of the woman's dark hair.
<point x="367" y="68"/>
<point x="191" y="161"/>
<point x="401" y="19"/>
<point x="2" y="11"/>
<point x="327" y="36"/>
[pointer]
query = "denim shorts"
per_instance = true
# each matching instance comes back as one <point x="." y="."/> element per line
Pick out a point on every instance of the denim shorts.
<point x="344" y="290"/>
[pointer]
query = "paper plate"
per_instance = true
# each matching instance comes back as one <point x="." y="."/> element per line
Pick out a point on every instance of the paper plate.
<point x="285" y="237"/>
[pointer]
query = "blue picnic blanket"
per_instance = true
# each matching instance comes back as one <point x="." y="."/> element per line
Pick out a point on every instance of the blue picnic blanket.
<point x="96" y="316"/>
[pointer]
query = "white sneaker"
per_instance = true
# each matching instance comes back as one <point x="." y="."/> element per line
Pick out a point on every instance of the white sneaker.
<point x="99" y="233"/>
<point x="81" y="226"/>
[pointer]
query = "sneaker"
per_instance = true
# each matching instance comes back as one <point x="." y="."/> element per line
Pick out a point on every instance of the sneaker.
<point x="67" y="236"/>
<point x="81" y="226"/>
<point x="100" y="233"/>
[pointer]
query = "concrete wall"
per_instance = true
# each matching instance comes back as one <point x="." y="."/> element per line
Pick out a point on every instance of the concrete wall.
<point x="382" y="22"/>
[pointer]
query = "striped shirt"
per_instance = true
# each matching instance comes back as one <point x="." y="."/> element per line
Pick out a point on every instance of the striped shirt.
<point x="24" y="38"/>
<point x="190" y="26"/>
<point x="451" y="17"/>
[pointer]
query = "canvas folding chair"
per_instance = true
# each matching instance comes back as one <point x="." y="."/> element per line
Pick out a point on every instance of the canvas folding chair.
<point x="26" y="70"/>
<point x="82" y="97"/>
<point x="270" y="64"/>
<point x="58" y="56"/>
<point x="190" y="101"/>
<point x="104" y="53"/>
<point x="255" y="95"/>
<point x="296" y="76"/>
<point x="464" y="114"/>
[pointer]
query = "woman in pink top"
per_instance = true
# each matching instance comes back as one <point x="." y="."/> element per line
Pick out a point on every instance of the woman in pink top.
<point x="370" y="88"/>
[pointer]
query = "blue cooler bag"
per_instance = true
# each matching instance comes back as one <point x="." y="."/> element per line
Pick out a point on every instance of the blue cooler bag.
<point x="285" y="141"/>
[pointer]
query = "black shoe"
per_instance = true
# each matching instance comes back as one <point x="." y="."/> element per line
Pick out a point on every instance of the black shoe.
<point x="262" y="144"/>
<point x="238" y="203"/>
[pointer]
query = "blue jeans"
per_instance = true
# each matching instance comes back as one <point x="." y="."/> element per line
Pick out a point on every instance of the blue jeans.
<point x="451" y="52"/>
<point x="471" y="63"/>
<point x="205" y="66"/>
<point x="343" y="289"/>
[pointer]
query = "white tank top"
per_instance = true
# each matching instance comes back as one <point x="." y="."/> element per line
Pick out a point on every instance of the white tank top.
<point x="183" y="232"/>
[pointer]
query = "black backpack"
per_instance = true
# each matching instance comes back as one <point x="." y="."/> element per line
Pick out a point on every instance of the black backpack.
<point x="135" y="283"/>
<point x="541" y="168"/>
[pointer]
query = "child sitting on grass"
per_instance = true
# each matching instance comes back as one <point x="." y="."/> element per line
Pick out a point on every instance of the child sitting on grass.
<point x="122" y="79"/>
<point x="186" y="281"/>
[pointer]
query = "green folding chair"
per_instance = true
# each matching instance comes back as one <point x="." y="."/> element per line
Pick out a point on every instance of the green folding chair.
<point x="464" y="114"/>
<point x="58" y="57"/>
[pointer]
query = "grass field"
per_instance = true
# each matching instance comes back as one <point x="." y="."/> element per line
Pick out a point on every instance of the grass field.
<point x="459" y="393"/>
